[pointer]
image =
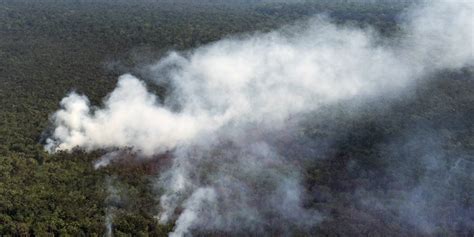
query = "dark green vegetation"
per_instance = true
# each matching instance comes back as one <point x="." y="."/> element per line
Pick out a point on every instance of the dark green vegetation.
<point x="48" y="48"/>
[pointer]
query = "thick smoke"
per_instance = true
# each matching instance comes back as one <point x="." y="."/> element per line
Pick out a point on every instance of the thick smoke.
<point x="233" y="106"/>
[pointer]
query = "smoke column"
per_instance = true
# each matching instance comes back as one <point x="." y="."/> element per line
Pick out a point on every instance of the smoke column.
<point x="232" y="105"/>
<point x="112" y="200"/>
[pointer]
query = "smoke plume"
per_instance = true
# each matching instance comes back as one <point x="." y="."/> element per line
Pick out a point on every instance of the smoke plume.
<point x="233" y="112"/>
<point x="112" y="201"/>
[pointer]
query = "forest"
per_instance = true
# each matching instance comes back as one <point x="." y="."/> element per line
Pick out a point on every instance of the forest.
<point x="362" y="184"/>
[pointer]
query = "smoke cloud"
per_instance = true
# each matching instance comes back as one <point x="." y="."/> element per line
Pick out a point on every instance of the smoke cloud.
<point x="234" y="105"/>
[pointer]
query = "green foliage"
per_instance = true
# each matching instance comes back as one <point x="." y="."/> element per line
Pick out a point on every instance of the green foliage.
<point x="48" y="48"/>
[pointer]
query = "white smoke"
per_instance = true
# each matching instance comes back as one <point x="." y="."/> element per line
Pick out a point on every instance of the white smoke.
<point x="229" y="98"/>
<point x="105" y="160"/>
<point x="113" y="198"/>
<point x="192" y="210"/>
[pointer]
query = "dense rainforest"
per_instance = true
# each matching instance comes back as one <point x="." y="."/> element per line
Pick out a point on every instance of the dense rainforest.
<point x="50" y="48"/>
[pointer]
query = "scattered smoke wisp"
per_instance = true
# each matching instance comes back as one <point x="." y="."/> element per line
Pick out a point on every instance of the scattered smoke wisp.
<point x="230" y="104"/>
<point x="112" y="201"/>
